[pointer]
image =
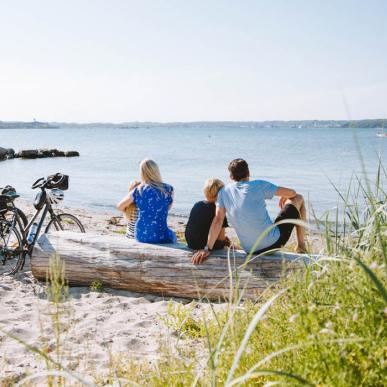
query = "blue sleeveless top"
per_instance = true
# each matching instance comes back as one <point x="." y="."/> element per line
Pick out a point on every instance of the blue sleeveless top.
<point x="152" y="206"/>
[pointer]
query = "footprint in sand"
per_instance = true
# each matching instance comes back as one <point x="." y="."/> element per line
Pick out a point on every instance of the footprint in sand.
<point x="144" y="324"/>
<point x="139" y="300"/>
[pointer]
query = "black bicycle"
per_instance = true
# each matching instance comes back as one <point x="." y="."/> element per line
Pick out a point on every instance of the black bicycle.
<point x="17" y="239"/>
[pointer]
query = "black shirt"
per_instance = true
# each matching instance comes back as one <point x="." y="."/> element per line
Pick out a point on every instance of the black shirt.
<point x="198" y="226"/>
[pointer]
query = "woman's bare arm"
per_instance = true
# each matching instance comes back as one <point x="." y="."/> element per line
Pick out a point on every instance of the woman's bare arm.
<point x="125" y="202"/>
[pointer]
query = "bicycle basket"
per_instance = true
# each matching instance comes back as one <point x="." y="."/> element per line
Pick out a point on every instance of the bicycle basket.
<point x="58" y="181"/>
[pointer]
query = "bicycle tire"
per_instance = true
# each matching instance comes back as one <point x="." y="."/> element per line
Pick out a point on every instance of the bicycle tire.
<point x="21" y="214"/>
<point x="23" y="217"/>
<point x="11" y="247"/>
<point x="61" y="222"/>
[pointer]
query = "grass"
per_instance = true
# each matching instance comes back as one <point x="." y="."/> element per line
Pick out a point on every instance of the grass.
<point x="97" y="286"/>
<point x="321" y="326"/>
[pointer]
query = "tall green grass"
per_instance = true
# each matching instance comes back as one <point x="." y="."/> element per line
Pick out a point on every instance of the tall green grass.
<point x="324" y="325"/>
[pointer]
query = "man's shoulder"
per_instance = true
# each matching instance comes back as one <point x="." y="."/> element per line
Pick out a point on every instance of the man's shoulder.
<point x="228" y="187"/>
<point x="259" y="183"/>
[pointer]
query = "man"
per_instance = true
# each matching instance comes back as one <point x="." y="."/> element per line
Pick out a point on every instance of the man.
<point x="244" y="202"/>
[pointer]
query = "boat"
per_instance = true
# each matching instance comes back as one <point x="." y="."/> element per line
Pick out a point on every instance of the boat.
<point x="381" y="133"/>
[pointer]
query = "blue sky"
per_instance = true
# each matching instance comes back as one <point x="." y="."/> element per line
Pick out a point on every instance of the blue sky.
<point x="165" y="60"/>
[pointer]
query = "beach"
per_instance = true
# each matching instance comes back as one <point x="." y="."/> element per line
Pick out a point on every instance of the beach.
<point x="97" y="324"/>
<point x="275" y="112"/>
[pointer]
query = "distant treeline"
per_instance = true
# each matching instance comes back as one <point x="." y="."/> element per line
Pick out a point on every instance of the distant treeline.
<point x="26" y="125"/>
<point x="371" y="123"/>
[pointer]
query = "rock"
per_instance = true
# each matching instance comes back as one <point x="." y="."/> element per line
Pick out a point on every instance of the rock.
<point x="53" y="152"/>
<point x="9" y="153"/>
<point x="57" y="153"/>
<point x="3" y="153"/>
<point x="29" y="154"/>
<point x="6" y="153"/>
<point x="45" y="153"/>
<point x="72" y="154"/>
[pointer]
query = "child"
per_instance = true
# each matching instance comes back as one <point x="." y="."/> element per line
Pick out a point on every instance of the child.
<point x="131" y="214"/>
<point x="201" y="216"/>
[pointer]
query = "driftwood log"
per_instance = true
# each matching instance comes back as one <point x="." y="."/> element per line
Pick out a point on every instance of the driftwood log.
<point x="165" y="270"/>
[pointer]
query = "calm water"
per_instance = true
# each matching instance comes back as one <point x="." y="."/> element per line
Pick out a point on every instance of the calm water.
<point x="304" y="159"/>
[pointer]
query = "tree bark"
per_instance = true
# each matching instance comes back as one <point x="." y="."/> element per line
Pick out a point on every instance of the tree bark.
<point x="166" y="270"/>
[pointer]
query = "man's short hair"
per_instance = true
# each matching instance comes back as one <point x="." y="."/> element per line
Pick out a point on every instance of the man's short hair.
<point x="239" y="169"/>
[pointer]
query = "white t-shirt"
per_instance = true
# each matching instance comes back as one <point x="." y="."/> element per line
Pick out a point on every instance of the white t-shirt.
<point x="244" y="202"/>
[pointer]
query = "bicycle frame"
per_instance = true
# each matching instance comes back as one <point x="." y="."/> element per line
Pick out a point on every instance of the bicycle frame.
<point x="45" y="209"/>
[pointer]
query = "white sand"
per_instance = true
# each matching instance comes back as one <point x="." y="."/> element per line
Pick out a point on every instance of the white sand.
<point x="95" y="324"/>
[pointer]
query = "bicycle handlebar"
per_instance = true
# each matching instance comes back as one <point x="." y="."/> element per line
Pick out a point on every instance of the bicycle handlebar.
<point x="36" y="184"/>
<point x="42" y="182"/>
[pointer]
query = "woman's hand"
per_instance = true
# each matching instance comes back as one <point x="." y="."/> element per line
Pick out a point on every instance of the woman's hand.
<point x="199" y="256"/>
<point x="133" y="184"/>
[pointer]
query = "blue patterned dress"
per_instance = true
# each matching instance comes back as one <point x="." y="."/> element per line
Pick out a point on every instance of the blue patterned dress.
<point x="152" y="206"/>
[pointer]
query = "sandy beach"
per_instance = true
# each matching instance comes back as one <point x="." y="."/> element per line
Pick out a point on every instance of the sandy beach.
<point x="97" y="325"/>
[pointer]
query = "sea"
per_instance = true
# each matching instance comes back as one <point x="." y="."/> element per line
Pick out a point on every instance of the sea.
<point x="314" y="161"/>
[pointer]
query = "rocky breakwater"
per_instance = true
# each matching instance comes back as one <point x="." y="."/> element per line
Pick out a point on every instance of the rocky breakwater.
<point x="9" y="153"/>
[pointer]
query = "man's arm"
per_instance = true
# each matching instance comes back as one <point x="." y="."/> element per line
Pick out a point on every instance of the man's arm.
<point x="216" y="226"/>
<point x="215" y="229"/>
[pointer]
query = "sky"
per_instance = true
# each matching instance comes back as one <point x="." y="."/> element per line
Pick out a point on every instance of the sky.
<point x="192" y="60"/>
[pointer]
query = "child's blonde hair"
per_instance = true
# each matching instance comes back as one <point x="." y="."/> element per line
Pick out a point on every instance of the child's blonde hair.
<point x="212" y="187"/>
<point x="130" y="212"/>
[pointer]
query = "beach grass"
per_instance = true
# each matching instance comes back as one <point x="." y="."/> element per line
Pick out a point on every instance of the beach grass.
<point x="324" y="325"/>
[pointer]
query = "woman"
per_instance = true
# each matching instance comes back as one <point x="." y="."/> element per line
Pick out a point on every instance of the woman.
<point x="153" y="199"/>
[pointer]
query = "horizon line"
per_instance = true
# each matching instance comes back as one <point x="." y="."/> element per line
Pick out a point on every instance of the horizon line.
<point x="192" y="122"/>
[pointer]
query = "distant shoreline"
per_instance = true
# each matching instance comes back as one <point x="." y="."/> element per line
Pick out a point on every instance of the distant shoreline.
<point x="293" y="124"/>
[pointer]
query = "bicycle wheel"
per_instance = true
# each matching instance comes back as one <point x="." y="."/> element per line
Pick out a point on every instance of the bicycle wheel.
<point x="9" y="216"/>
<point x="11" y="247"/>
<point x="64" y="222"/>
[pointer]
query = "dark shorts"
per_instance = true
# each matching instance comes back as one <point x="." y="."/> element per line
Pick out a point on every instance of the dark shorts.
<point x="287" y="212"/>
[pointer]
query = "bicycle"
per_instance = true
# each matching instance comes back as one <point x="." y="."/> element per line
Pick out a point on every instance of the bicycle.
<point x="18" y="240"/>
<point x="5" y="214"/>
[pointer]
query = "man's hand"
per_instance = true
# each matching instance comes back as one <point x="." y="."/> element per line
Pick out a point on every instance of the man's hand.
<point x="282" y="202"/>
<point x="199" y="256"/>
<point x="227" y="242"/>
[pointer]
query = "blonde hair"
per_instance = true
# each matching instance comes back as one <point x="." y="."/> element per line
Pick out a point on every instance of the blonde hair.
<point x="212" y="187"/>
<point x="150" y="174"/>
<point x="130" y="212"/>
